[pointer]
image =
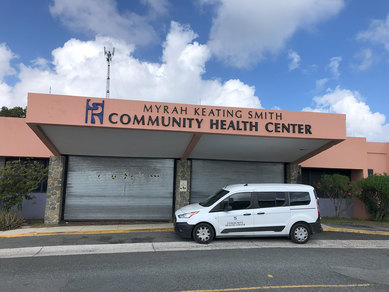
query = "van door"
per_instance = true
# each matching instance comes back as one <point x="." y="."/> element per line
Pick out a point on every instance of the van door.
<point x="234" y="214"/>
<point x="272" y="212"/>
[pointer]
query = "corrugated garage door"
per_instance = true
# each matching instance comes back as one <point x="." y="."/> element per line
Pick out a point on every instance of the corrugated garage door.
<point x="208" y="176"/>
<point x="101" y="188"/>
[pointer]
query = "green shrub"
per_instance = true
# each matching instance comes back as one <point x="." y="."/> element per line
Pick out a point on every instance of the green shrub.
<point x="375" y="195"/>
<point x="18" y="179"/>
<point x="339" y="189"/>
<point x="10" y="220"/>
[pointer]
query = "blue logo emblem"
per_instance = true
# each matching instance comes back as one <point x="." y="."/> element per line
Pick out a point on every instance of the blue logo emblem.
<point x="96" y="110"/>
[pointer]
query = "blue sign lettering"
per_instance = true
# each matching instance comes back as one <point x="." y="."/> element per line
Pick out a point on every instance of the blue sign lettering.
<point x="96" y="106"/>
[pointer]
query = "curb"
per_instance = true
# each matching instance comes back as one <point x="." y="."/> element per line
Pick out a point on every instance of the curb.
<point x="86" y="232"/>
<point x="332" y="229"/>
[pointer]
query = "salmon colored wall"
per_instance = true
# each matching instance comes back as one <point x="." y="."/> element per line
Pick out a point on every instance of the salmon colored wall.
<point x="18" y="140"/>
<point x="355" y="154"/>
<point x="378" y="157"/>
<point x="349" y="154"/>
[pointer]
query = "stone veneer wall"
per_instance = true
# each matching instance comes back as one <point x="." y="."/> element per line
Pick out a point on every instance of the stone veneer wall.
<point x="293" y="173"/>
<point x="183" y="172"/>
<point x="55" y="185"/>
<point x="2" y="161"/>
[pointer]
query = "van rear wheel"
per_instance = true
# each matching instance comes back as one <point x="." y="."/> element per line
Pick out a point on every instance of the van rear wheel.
<point x="203" y="233"/>
<point x="300" y="233"/>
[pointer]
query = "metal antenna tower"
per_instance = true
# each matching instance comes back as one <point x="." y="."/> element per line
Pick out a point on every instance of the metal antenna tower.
<point x="108" y="56"/>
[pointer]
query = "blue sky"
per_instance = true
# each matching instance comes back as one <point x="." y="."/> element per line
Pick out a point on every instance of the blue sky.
<point x="316" y="55"/>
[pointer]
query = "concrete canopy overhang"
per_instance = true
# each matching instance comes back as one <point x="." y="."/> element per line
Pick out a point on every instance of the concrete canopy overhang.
<point x="71" y="125"/>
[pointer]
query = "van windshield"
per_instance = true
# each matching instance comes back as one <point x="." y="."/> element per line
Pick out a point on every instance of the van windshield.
<point x="212" y="199"/>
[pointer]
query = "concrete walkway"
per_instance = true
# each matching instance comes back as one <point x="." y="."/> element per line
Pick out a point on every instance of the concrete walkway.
<point x="151" y="227"/>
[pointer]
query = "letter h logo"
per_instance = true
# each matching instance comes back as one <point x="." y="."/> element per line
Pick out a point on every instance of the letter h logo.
<point x="95" y="107"/>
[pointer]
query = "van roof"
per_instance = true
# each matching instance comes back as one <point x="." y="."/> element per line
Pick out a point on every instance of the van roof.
<point x="267" y="187"/>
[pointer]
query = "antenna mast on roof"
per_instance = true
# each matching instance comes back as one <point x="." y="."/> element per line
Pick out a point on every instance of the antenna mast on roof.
<point x="108" y="56"/>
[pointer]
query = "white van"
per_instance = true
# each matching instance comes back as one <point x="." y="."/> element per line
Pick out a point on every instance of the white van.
<point x="252" y="210"/>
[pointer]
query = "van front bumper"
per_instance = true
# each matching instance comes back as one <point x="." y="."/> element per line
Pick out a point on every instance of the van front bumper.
<point x="183" y="229"/>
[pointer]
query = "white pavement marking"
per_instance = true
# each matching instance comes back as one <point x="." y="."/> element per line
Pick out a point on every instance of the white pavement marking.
<point x="66" y="250"/>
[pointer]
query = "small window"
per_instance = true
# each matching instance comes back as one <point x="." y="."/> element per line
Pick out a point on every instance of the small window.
<point x="271" y="199"/>
<point x="370" y="172"/>
<point x="299" y="198"/>
<point x="240" y="201"/>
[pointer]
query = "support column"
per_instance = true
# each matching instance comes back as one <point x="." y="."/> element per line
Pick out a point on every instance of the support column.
<point x="293" y="173"/>
<point x="55" y="186"/>
<point x="2" y="162"/>
<point x="182" y="187"/>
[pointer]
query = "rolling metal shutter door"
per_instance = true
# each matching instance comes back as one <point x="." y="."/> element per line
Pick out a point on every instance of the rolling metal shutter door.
<point x="209" y="176"/>
<point x="102" y="188"/>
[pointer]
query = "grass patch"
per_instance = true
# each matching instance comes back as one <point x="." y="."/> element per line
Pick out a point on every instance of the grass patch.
<point x="351" y="221"/>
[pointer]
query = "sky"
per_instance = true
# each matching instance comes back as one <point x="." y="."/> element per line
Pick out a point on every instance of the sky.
<point x="299" y="55"/>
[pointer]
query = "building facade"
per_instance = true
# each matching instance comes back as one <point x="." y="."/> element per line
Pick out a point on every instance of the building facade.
<point x="136" y="160"/>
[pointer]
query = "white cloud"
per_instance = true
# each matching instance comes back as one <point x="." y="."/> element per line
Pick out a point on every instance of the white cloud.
<point x="79" y="68"/>
<point x="102" y="17"/>
<point x="365" y="58"/>
<point x="6" y="56"/>
<point x="310" y="69"/>
<point x="333" y="66"/>
<point x="378" y="32"/>
<point x="360" y="120"/>
<point x="295" y="60"/>
<point x="244" y="32"/>
<point x="321" y="83"/>
<point x="157" y="7"/>
<point x="6" y="69"/>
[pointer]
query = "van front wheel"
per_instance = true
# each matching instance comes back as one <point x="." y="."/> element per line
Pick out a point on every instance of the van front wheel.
<point x="300" y="233"/>
<point x="203" y="233"/>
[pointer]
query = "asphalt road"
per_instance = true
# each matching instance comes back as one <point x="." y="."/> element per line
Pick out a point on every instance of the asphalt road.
<point x="292" y="269"/>
<point x="143" y="237"/>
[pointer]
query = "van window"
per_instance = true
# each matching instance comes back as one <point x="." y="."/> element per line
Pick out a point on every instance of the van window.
<point x="240" y="201"/>
<point x="212" y="199"/>
<point x="299" y="198"/>
<point x="271" y="199"/>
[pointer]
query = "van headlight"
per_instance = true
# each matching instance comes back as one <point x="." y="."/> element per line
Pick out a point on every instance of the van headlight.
<point x="187" y="215"/>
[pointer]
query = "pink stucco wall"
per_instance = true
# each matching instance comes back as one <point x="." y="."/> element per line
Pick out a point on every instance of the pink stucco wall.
<point x="18" y="140"/>
<point x="349" y="154"/>
<point x="378" y="157"/>
<point x="353" y="153"/>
